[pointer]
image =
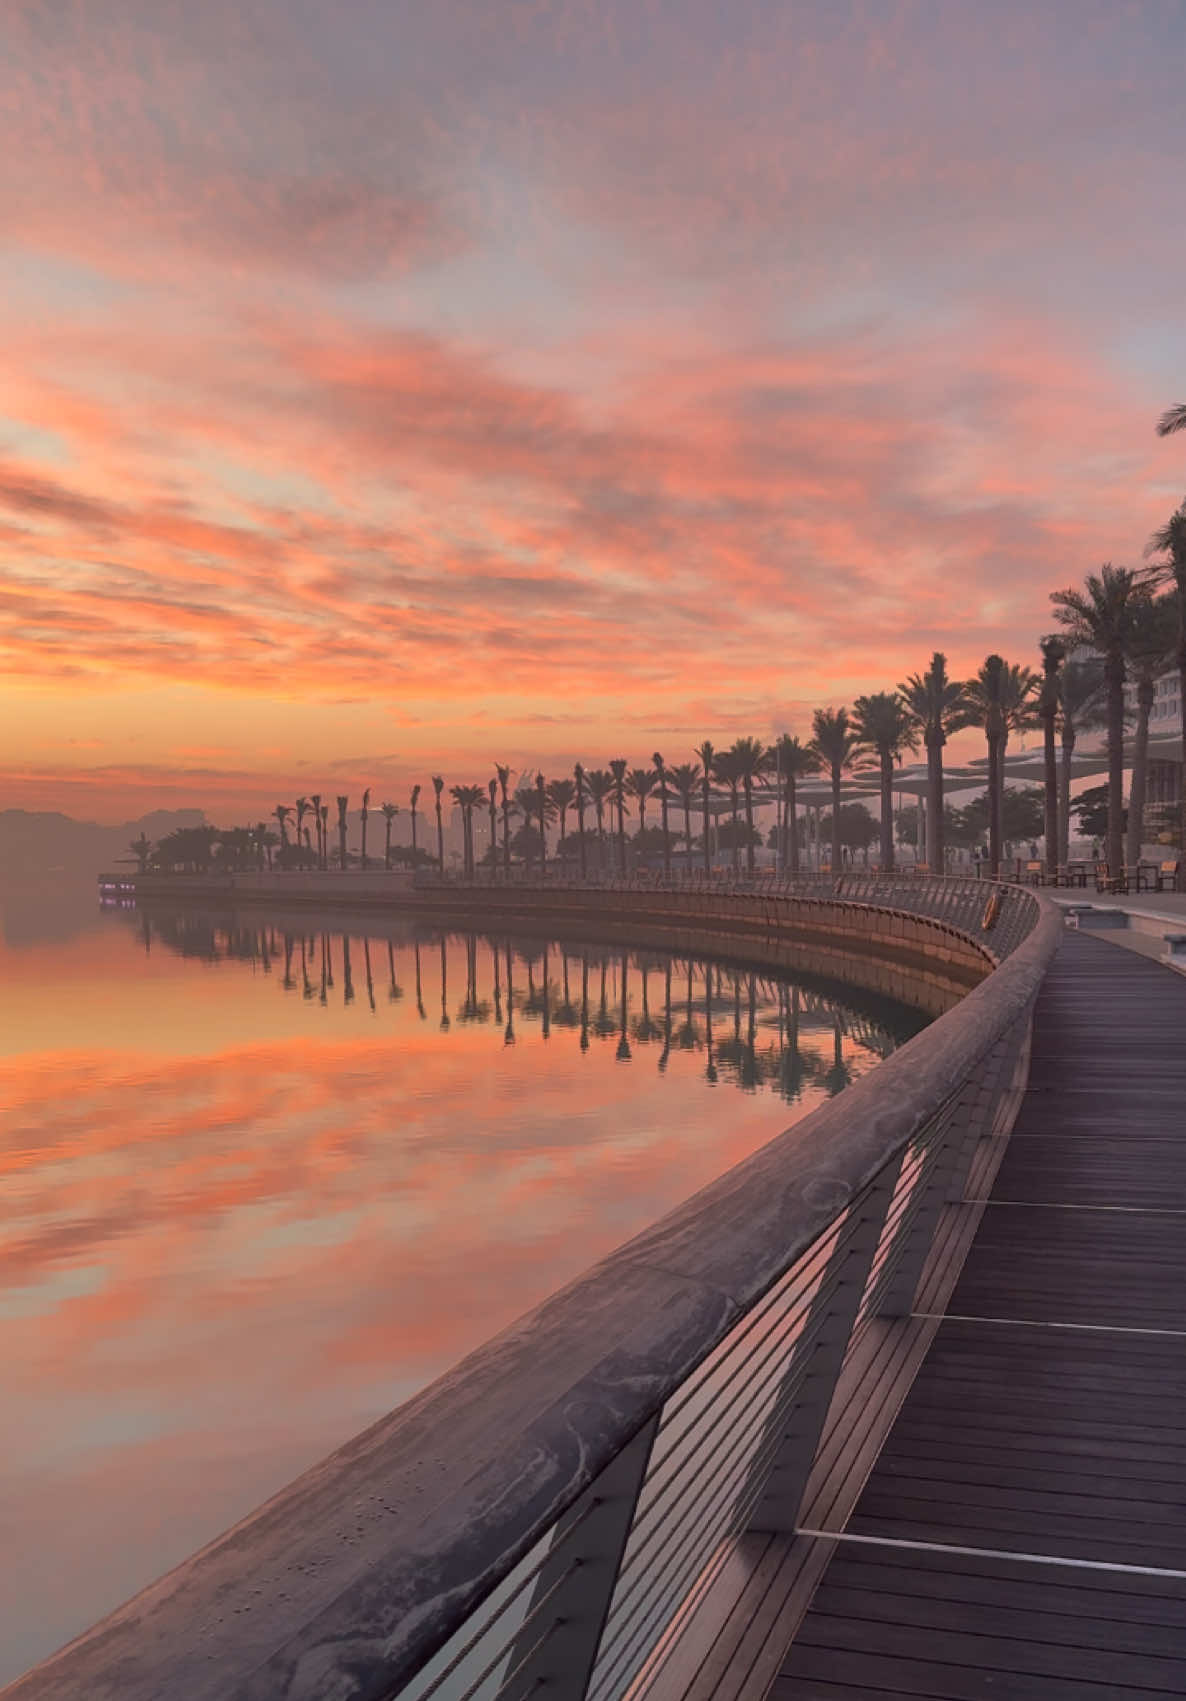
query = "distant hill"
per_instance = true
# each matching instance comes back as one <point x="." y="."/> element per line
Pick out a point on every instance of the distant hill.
<point x="36" y="848"/>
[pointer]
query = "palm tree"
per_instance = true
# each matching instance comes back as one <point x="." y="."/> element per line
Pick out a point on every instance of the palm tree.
<point x="938" y="708"/>
<point x="617" y="770"/>
<point x="390" y="811"/>
<point x="1080" y="707"/>
<point x="282" y="811"/>
<point x="325" y="835"/>
<point x="662" y="773"/>
<point x="1053" y="655"/>
<point x="467" y="799"/>
<point x="708" y="760"/>
<point x="1169" y="541"/>
<point x="415" y="799"/>
<point x="504" y="780"/>
<point x="1102" y="615"/>
<point x="302" y="809"/>
<point x="796" y="762"/>
<point x="542" y="810"/>
<point x="141" y="849"/>
<point x="727" y="773"/>
<point x="342" y="802"/>
<point x="315" y="802"/>
<point x="366" y="803"/>
<point x="836" y="742"/>
<point x="884" y="726"/>
<point x="640" y="783"/>
<point x="601" y="789"/>
<point x="1020" y="687"/>
<point x="686" y="779"/>
<point x="985" y="696"/>
<point x="579" y="782"/>
<point x="438" y="786"/>
<point x="492" y="790"/>
<point x="751" y="760"/>
<point x="1173" y="419"/>
<point x="1155" y="628"/>
<point x="561" y="795"/>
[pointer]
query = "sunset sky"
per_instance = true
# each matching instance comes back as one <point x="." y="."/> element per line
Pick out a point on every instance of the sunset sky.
<point x="398" y="386"/>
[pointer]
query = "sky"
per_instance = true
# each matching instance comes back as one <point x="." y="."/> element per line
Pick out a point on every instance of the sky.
<point x="391" y="388"/>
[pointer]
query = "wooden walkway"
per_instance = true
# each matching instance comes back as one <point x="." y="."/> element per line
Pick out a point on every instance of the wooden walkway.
<point x="1023" y="1533"/>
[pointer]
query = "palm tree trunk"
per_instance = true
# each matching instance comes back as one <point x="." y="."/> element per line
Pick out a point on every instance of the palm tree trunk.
<point x="707" y="817"/>
<point x="1140" y="772"/>
<point x="935" y="805"/>
<point x="506" y="834"/>
<point x="1115" y="687"/>
<point x="1050" y="777"/>
<point x="688" y="828"/>
<point x="1180" y="579"/>
<point x="887" y="812"/>
<point x="749" y="822"/>
<point x="440" y="839"/>
<point x="835" y="820"/>
<point x="736" y="824"/>
<point x="621" y="836"/>
<point x="493" y="840"/>
<point x="581" y="833"/>
<point x="994" y="806"/>
<point x="1064" y="789"/>
<point x="387" y="845"/>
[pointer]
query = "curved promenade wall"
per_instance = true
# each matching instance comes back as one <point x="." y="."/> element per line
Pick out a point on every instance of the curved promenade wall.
<point x="347" y="1582"/>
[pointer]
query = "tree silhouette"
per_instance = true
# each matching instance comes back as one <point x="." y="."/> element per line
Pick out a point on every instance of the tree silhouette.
<point x="579" y="784"/>
<point x="390" y="811"/>
<point x="617" y="770"/>
<point x="1169" y="543"/>
<point x="318" y="822"/>
<point x="1102" y="615"/>
<point x="504" y="779"/>
<point x="662" y="773"/>
<point x="708" y="758"/>
<point x="561" y="795"/>
<point x="751" y="760"/>
<point x="685" y="780"/>
<point x="413" y="801"/>
<point x="438" y="786"/>
<point x="884" y="727"/>
<point x="601" y="790"/>
<point x="366" y="804"/>
<point x="1151" y="650"/>
<point x="282" y="811"/>
<point x="938" y="707"/>
<point x="492" y="792"/>
<point x="836" y="742"/>
<point x="1053" y="655"/>
<point x="342" y="804"/>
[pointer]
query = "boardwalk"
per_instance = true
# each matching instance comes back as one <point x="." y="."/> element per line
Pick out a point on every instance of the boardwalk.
<point x="1023" y="1534"/>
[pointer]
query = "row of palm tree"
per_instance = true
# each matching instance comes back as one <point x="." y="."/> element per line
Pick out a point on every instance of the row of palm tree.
<point x="1132" y="623"/>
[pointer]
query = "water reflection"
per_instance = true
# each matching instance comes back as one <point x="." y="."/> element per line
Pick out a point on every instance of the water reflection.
<point x="262" y="1182"/>
<point x="761" y="1019"/>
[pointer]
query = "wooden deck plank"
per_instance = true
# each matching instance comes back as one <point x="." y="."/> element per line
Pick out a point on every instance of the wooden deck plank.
<point x="1022" y="1435"/>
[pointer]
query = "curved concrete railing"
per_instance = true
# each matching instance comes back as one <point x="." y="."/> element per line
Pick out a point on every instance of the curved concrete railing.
<point x="518" y="1521"/>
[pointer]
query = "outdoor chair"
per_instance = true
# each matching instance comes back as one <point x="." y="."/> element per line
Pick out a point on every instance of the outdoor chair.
<point x="1035" y="874"/>
<point x="1105" y="880"/>
<point x="1072" y="874"/>
<point x="1167" y="877"/>
<point x="922" y="868"/>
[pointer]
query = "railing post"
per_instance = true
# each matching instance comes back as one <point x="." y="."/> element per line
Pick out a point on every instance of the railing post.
<point x="971" y="1119"/>
<point x="577" y="1582"/>
<point x="818" y="1356"/>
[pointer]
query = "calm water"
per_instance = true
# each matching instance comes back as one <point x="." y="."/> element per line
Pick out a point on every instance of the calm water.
<point x="260" y="1187"/>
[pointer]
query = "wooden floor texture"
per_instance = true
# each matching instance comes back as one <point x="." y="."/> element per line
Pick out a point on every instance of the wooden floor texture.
<point x="1023" y="1533"/>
